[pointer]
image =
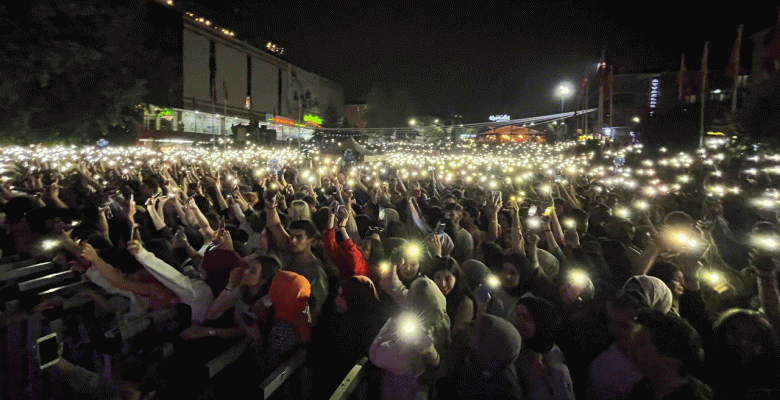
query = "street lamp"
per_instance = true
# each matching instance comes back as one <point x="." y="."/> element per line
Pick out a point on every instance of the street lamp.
<point x="564" y="91"/>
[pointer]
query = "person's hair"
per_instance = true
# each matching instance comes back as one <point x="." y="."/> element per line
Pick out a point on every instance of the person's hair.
<point x="449" y="264"/>
<point x="320" y="218"/>
<point x="674" y="337"/>
<point x="377" y="250"/>
<point x="307" y="226"/>
<point x="299" y="210"/>
<point x="311" y="201"/>
<point x="664" y="271"/>
<point x="271" y="265"/>
<point x="678" y="218"/>
<point x="579" y="215"/>
<point x="728" y="324"/>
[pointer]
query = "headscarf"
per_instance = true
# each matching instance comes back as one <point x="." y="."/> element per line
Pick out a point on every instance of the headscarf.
<point x="499" y="343"/>
<point x="546" y="321"/>
<point x="644" y="291"/>
<point x="361" y="296"/>
<point x="429" y="304"/>
<point x="476" y="272"/>
<point x="491" y="373"/>
<point x="218" y="263"/>
<point x="290" y="294"/>
<point x="527" y="273"/>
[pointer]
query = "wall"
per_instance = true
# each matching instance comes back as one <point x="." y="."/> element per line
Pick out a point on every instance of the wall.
<point x="195" y="67"/>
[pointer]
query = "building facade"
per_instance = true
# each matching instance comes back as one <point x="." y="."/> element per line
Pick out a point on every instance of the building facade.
<point x="222" y="79"/>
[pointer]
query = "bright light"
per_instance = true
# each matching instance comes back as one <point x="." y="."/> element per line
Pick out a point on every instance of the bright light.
<point x="493" y="281"/>
<point x="564" y="90"/>
<point x="623" y="212"/>
<point x="413" y="251"/>
<point x="534" y="223"/>
<point x="384" y="267"/>
<point x="569" y="223"/>
<point x="579" y="278"/>
<point x="636" y="120"/>
<point x="412" y="122"/>
<point x="49" y="244"/>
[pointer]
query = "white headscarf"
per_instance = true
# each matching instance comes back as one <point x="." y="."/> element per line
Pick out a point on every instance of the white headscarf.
<point x="656" y="293"/>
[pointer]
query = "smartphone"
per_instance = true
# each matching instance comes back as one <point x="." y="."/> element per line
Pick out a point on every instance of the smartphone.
<point x="440" y="229"/>
<point x="47" y="349"/>
<point x="549" y="211"/>
<point x="382" y="213"/>
<point x="532" y="210"/>
<point x="498" y="195"/>
<point x="482" y="294"/>
<point x="133" y="230"/>
<point x="558" y="178"/>
<point x="222" y="223"/>
<point x="132" y="197"/>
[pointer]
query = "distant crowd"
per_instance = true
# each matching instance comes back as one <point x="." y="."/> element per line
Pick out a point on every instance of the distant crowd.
<point x="527" y="271"/>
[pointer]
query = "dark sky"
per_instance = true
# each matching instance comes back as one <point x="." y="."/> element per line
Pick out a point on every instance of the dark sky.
<point x="484" y="58"/>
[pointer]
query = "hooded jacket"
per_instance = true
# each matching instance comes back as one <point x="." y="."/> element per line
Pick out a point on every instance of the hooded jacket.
<point x="289" y="295"/>
<point x="489" y="371"/>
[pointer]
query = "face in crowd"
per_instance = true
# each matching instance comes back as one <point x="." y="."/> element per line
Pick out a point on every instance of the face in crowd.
<point x="299" y="241"/>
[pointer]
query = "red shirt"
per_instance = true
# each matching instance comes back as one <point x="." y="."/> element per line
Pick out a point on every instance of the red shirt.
<point x="346" y="255"/>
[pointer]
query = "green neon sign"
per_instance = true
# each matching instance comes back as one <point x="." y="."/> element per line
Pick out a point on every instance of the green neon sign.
<point x="312" y="118"/>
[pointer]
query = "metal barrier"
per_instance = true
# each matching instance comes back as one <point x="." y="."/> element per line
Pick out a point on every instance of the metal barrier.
<point x="28" y="271"/>
<point x="283" y="373"/>
<point x="351" y="381"/>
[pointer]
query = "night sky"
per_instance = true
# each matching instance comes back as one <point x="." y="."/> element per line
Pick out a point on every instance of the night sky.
<point x="483" y="58"/>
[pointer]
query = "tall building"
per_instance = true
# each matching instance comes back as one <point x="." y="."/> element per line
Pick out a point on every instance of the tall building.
<point x="219" y="79"/>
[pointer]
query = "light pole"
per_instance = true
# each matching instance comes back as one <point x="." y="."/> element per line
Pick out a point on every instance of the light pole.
<point x="563" y="91"/>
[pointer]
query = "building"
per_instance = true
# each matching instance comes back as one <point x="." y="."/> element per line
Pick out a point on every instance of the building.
<point x="219" y="79"/>
<point x="355" y="114"/>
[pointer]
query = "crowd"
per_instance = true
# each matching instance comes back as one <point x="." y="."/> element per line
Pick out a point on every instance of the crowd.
<point x="468" y="272"/>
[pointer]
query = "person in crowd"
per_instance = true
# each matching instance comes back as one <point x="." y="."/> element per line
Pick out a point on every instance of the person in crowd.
<point x="346" y="333"/>
<point x="481" y="363"/>
<point x="667" y="351"/>
<point x="410" y="344"/>
<point x="612" y="375"/>
<point x="744" y="349"/>
<point x="541" y="366"/>
<point x="296" y="244"/>
<point x="449" y="278"/>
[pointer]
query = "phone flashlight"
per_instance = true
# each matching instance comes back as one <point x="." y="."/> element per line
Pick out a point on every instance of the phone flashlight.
<point x="569" y="223"/>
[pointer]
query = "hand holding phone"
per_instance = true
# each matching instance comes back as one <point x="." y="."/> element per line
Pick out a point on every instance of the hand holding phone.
<point x="48" y="350"/>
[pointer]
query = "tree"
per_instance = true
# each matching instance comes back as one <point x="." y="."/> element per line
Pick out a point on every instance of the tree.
<point x="387" y="108"/>
<point x="67" y="69"/>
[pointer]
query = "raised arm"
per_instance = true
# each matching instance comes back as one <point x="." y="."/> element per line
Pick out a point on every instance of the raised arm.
<point x="274" y="224"/>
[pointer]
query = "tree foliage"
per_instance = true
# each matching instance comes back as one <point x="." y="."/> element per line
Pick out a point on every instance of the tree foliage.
<point x="67" y="69"/>
<point x="387" y="108"/>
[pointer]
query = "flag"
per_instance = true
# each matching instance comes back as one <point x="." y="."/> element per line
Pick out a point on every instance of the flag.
<point x="608" y="84"/>
<point x="583" y="89"/>
<point x="601" y="71"/>
<point x="732" y="69"/>
<point x="224" y="88"/>
<point x="682" y="81"/>
<point x="704" y="72"/>
<point x="213" y="78"/>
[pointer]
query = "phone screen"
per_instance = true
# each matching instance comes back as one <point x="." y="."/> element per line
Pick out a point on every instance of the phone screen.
<point x="532" y="211"/>
<point x="440" y="229"/>
<point x="48" y="350"/>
